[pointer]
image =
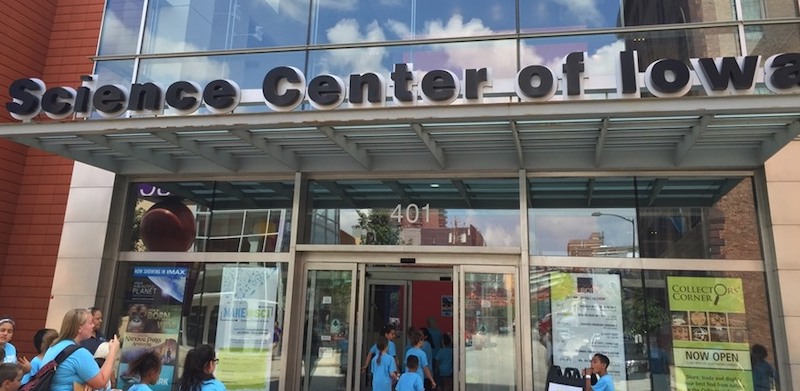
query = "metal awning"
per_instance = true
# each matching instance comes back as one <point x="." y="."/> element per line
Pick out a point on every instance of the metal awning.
<point x="730" y="132"/>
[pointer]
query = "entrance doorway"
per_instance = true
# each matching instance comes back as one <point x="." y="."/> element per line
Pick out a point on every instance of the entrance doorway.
<point x="405" y="297"/>
<point x="347" y="305"/>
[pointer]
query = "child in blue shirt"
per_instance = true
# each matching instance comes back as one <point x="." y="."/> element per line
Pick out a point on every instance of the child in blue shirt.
<point x="423" y="370"/>
<point x="410" y="381"/>
<point x="41" y="341"/>
<point x="383" y="368"/>
<point x="147" y="367"/>
<point x="444" y="363"/>
<point x="10" y="376"/>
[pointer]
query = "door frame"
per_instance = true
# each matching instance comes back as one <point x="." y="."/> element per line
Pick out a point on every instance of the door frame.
<point x="354" y="286"/>
<point x="460" y="359"/>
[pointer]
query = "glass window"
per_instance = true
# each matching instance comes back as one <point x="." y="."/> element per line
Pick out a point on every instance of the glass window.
<point x="434" y="212"/>
<point x="764" y="9"/>
<point x="640" y="13"/>
<point x="768" y="40"/>
<point x="705" y="218"/>
<point x="603" y="50"/>
<point x="210" y="217"/>
<point x="537" y="15"/>
<point x="121" y="24"/>
<point x="195" y="25"/>
<point x="660" y="329"/>
<point x="326" y="353"/>
<point x="247" y="70"/>
<point x="500" y="56"/>
<point x="350" y="21"/>
<point x="114" y="72"/>
<point x="155" y="311"/>
<point x="489" y="324"/>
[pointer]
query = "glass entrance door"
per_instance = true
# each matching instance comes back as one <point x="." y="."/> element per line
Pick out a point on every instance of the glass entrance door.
<point x="407" y="296"/>
<point x="489" y="347"/>
<point x="328" y="327"/>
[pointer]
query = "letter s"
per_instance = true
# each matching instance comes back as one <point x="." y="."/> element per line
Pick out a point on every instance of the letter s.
<point x="27" y="94"/>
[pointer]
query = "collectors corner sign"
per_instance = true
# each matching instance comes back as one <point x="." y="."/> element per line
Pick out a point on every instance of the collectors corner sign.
<point x="284" y="88"/>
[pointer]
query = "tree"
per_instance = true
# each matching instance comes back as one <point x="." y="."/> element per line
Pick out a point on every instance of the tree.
<point x="378" y="228"/>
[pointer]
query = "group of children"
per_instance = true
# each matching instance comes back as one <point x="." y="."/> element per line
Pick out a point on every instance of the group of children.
<point x="425" y="362"/>
<point x="144" y="370"/>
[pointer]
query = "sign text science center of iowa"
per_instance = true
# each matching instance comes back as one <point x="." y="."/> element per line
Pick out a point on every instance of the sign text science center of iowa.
<point x="284" y="88"/>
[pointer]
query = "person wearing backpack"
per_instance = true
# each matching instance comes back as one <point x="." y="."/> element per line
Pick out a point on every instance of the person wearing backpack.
<point x="79" y="367"/>
<point x="42" y="341"/>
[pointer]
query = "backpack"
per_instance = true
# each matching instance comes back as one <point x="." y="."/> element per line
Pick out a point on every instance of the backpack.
<point x="42" y="379"/>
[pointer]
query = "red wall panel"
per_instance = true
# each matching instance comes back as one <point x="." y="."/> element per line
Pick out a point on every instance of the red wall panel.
<point x="52" y="40"/>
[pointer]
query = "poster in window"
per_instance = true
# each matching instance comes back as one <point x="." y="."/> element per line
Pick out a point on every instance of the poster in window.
<point x="247" y="305"/>
<point x="709" y="337"/>
<point x="151" y="321"/>
<point x="447" y="306"/>
<point x="587" y="319"/>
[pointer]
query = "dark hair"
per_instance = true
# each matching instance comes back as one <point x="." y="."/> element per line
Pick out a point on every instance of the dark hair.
<point x="381" y="345"/>
<point x="427" y="334"/>
<point x="43" y="339"/>
<point x="194" y="368"/>
<point x="446" y="340"/>
<point x="759" y="351"/>
<point x="388" y="328"/>
<point x="603" y="359"/>
<point x="92" y="310"/>
<point x="412" y="362"/>
<point x="415" y="337"/>
<point x="9" y="372"/>
<point x="144" y="364"/>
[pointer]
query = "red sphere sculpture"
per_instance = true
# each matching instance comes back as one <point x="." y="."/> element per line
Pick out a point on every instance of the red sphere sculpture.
<point x="168" y="226"/>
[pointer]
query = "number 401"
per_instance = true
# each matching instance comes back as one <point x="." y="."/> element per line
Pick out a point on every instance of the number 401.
<point x="412" y="214"/>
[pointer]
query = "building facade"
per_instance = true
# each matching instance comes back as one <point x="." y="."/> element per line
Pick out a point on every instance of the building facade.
<point x="540" y="180"/>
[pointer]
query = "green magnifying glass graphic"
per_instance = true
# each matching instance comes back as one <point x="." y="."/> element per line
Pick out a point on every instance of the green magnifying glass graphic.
<point x="719" y="290"/>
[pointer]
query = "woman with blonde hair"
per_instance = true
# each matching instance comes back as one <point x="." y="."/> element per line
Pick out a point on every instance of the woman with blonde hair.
<point x="79" y="367"/>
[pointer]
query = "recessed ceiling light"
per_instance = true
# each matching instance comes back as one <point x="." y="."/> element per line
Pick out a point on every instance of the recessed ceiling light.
<point x="434" y="185"/>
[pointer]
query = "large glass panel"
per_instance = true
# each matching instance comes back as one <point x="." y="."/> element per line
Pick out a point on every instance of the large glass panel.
<point x="350" y="21"/>
<point x="326" y="330"/>
<point x="433" y="212"/>
<point x="603" y="50"/>
<point x="705" y="218"/>
<point x="537" y="15"/>
<point x="247" y="70"/>
<point x="199" y="25"/>
<point x="114" y="72"/>
<point x="662" y="330"/>
<point x="500" y="56"/>
<point x="173" y="307"/>
<point x="121" y="24"/>
<point x="764" y="9"/>
<point x="489" y="323"/>
<point x="639" y="13"/>
<point x="771" y="39"/>
<point x="210" y="217"/>
<point x="587" y="217"/>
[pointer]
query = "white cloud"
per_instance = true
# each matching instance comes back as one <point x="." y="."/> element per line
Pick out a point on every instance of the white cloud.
<point x="584" y="11"/>
<point x="604" y="60"/>
<point x="346" y="61"/>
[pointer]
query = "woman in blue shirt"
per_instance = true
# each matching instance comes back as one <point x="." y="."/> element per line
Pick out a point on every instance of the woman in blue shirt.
<point x="80" y="366"/>
<point x="198" y="371"/>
